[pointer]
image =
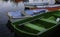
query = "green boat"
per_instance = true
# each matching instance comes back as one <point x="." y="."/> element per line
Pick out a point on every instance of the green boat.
<point x="37" y="26"/>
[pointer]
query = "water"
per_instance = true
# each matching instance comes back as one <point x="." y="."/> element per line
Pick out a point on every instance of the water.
<point x="10" y="6"/>
<point x="4" y="8"/>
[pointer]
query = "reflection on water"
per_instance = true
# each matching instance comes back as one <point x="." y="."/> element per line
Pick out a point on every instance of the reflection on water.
<point x="10" y="6"/>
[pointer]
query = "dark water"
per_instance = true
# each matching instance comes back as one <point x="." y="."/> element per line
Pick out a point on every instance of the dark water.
<point x="4" y="8"/>
<point x="4" y="31"/>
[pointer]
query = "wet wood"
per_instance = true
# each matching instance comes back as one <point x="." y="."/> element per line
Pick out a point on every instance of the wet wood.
<point x="50" y="9"/>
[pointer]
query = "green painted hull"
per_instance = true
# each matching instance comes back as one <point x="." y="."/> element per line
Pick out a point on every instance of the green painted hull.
<point x="37" y="26"/>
